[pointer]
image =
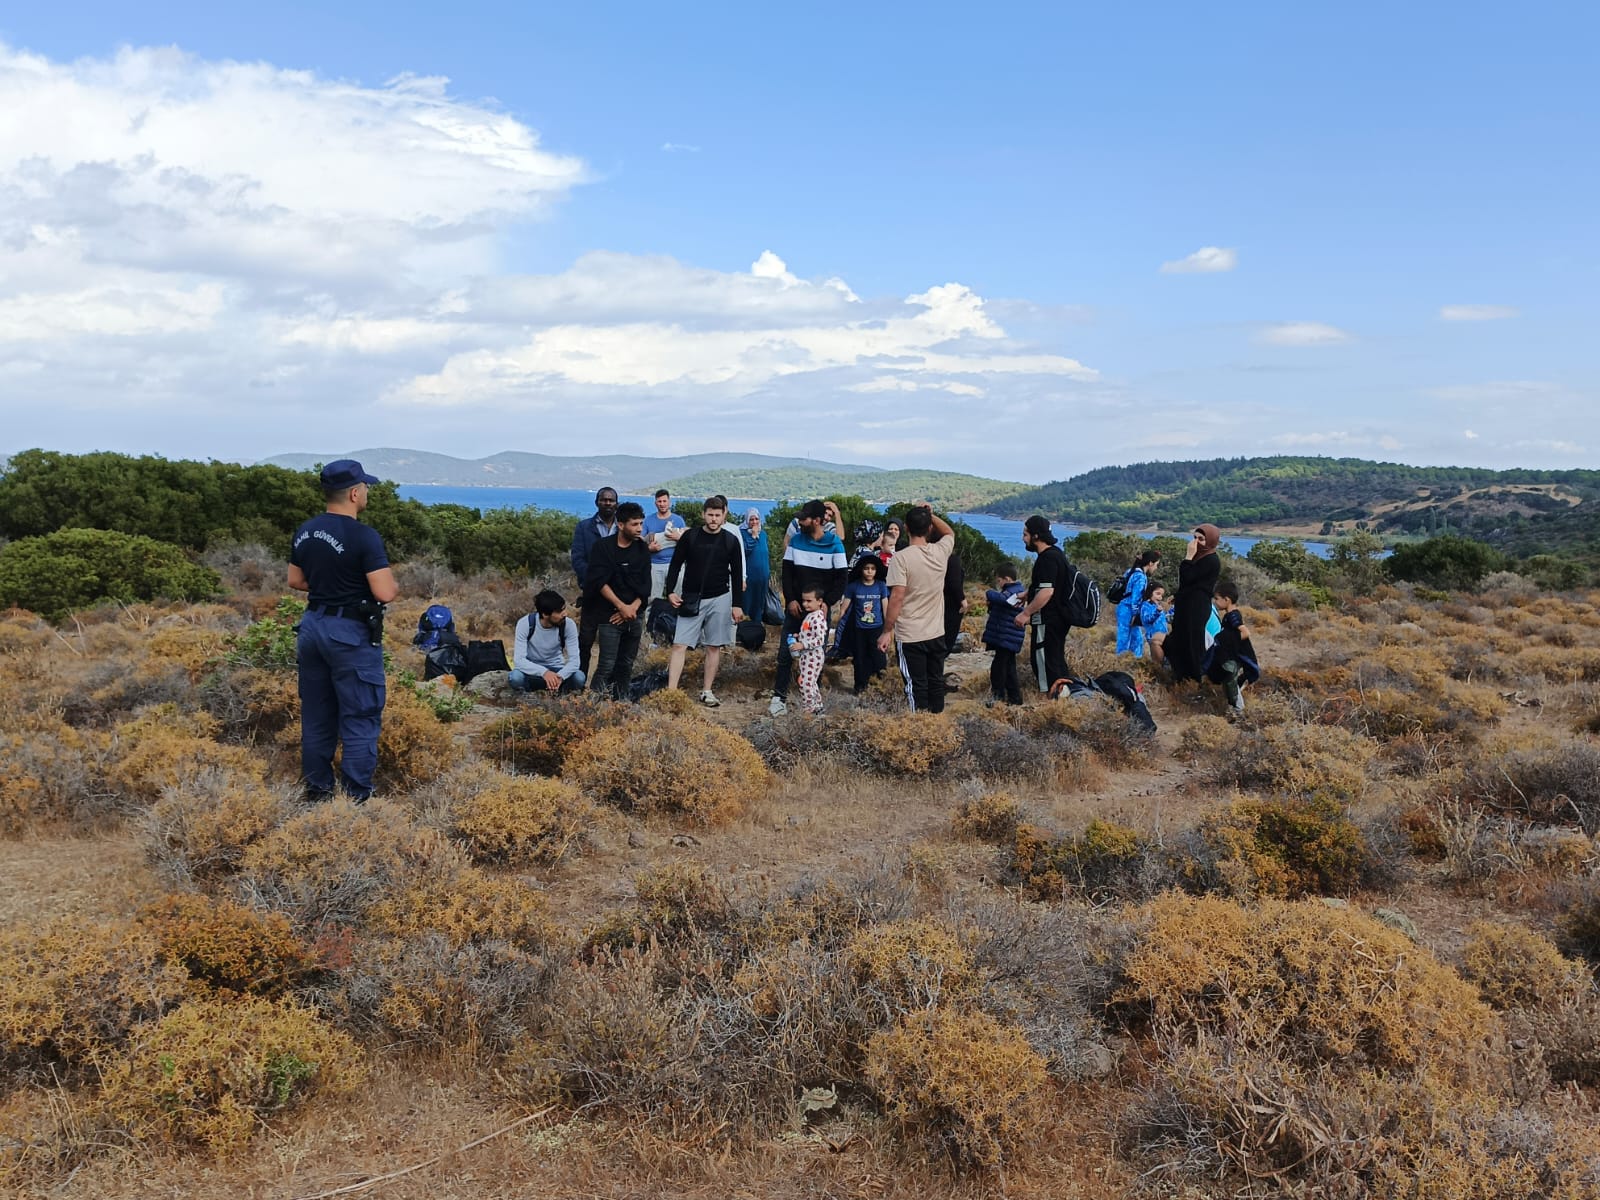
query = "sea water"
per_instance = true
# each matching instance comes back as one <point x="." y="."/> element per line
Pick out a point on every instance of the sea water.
<point x="1005" y="532"/>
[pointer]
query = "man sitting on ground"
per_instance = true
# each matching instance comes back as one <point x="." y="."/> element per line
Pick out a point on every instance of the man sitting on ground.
<point x="544" y="650"/>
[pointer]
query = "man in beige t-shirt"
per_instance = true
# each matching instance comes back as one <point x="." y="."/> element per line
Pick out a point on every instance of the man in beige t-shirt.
<point x="915" y="616"/>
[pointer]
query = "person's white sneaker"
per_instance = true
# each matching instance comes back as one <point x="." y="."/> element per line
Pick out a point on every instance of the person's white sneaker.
<point x="709" y="699"/>
<point x="777" y="708"/>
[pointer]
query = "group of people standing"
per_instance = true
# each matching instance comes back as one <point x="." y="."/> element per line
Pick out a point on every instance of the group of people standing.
<point x="909" y="598"/>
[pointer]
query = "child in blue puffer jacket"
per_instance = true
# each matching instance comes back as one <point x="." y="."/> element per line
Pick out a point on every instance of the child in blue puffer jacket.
<point x="1003" y="635"/>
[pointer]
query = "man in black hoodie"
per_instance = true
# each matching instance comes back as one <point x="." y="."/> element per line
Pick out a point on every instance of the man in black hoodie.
<point x="617" y="582"/>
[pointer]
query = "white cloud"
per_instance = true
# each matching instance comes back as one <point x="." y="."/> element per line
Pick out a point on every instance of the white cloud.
<point x="679" y="148"/>
<point x="1469" y="435"/>
<point x="1498" y="391"/>
<point x="1335" y="438"/>
<point x="1302" y="333"/>
<point x="1208" y="260"/>
<point x="1476" y="312"/>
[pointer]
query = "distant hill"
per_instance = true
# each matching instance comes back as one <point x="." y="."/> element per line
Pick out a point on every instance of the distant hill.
<point x="1312" y="494"/>
<point x="515" y="468"/>
<point x="948" y="490"/>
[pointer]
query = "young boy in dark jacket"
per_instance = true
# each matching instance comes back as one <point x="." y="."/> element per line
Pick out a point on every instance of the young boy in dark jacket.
<point x="1231" y="661"/>
<point x="1003" y="635"/>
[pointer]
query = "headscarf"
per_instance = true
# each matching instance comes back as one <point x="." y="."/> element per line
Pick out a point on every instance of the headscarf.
<point x="752" y="512"/>
<point x="1210" y="539"/>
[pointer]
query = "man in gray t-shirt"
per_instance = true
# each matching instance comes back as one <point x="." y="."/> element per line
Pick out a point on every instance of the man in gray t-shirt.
<point x="544" y="650"/>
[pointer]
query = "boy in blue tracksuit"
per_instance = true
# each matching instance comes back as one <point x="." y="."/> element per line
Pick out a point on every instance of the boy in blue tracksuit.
<point x="1003" y="635"/>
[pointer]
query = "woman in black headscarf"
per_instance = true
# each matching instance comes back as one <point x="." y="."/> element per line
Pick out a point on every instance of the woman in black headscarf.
<point x="1197" y="581"/>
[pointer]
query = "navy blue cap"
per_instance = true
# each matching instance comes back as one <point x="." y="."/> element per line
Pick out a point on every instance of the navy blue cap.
<point x="344" y="473"/>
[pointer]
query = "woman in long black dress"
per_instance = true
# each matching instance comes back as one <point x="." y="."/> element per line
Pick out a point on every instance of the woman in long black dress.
<point x="1197" y="581"/>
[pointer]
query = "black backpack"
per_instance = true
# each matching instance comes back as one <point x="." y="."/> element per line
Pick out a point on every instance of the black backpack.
<point x="1118" y="591"/>
<point x="751" y="634"/>
<point x="661" y="621"/>
<point x="1082" y="601"/>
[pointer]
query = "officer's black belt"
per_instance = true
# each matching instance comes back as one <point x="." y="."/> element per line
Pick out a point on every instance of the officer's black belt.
<point x="353" y="611"/>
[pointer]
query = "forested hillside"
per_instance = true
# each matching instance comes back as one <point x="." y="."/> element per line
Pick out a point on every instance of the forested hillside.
<point x="944" y="489"/>
<point x="517" y="468"/>
<point x="1331" y="493"/>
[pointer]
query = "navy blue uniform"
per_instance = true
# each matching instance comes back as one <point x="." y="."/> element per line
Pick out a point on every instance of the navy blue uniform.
<point x="341" y="673"/>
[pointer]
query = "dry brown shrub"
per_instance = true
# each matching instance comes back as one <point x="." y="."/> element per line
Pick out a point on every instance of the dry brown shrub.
<point x="676" y="903"/>
<point x="1578" y="926"/>
<point x="921" y="745"/>
<point x="669" y="702"/>
<point x="1300" y="760"/>
<point x="330" y="864"/>
<point x="1514" y="967"/>
<point x="903" y="966"/>
<point x="71" y="993"/>
<point x="1106" y="861"/>
<point x="431" y="990"/>
<point x="198" y="831"/>
<point x="50" y="772"/>
<point x="691" y="768"/>
<point x="213" y="1071"/>
<point x="167" y="748"/>
<point x="520" y="820"/>
<point x="468" y="906"/>
<point x="414" y="746"/>
<point x="1101" y="727"/>
<point x="541" y="733"/>
<point x="961" y="1086"/>
<point x="1237" y="1117"/>
<point x="226" y="947"/>
<point x="991" y="817"/>
<point x="1556" y="782"/>
<point x="252" y="705"/>
<point x="1306" y="983"/>
<point x="1282" y="846"/>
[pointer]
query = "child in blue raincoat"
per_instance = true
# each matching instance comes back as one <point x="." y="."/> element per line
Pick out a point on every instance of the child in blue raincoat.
<point x="1130" y="634"/>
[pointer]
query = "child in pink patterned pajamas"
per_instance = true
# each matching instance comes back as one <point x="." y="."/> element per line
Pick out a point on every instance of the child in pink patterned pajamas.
<point x="808" y="647"/>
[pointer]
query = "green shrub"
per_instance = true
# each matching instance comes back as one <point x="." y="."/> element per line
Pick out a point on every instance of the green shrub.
<point x="270" y="642"/>
<point x="74" y="568"/>
<point x="1445" y="562"/>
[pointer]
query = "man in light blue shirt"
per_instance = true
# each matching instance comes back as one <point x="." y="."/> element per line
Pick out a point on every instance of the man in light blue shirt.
<point x="662" y="529"/>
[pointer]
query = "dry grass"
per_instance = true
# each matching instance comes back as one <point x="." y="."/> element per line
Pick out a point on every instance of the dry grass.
<point x="838" y="984"/>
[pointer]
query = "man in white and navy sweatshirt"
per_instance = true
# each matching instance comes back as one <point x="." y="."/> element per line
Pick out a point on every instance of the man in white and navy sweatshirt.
<point x="545" y="648"/>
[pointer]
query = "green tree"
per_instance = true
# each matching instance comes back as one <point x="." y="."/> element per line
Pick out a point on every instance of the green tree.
<point x="1356" y="563"/>
<point x="1445" y="562"/>
<point x="1288" y="561"/>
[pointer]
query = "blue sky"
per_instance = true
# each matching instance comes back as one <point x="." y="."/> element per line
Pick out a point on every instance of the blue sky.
<point x="1023" y="242"/>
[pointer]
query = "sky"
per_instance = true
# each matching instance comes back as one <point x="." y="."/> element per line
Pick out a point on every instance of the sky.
<point x="1019" y="240"/>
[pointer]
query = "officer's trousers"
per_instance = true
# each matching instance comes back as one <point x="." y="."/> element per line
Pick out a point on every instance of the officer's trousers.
<point x="341" y="702"/>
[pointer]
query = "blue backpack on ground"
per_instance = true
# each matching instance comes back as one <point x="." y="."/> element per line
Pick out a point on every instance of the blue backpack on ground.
<point x="432" y="626"/>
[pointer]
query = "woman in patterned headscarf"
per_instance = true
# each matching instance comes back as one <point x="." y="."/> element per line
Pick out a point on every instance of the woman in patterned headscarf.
<point x="1185" y="646"/>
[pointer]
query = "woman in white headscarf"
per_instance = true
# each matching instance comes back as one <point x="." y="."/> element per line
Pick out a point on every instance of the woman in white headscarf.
<point x="757" y="564"/>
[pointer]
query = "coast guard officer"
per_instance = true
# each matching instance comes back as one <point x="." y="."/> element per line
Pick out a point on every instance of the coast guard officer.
<point x="343" y="566"/>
